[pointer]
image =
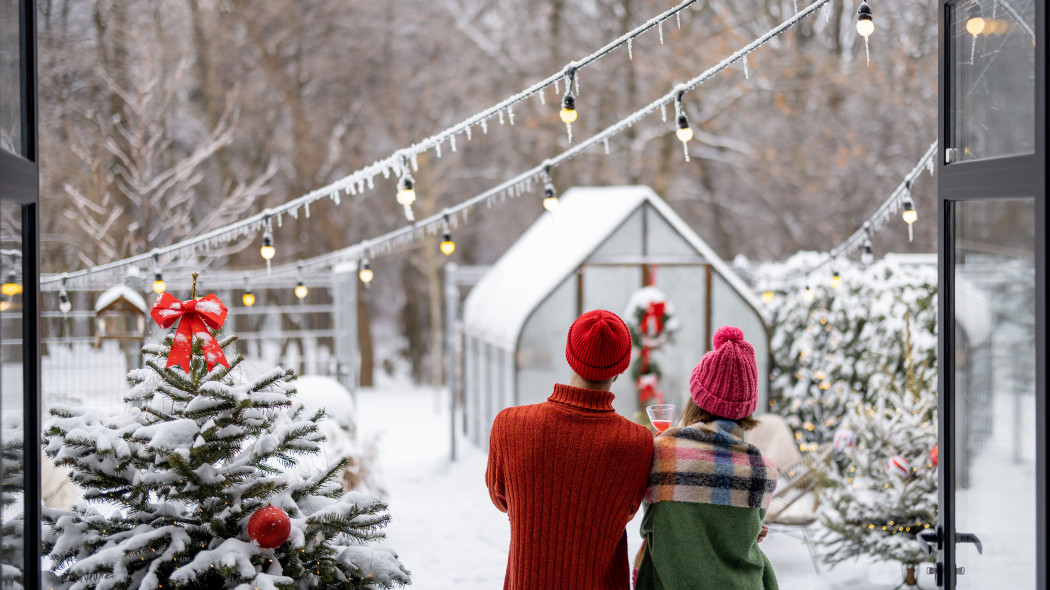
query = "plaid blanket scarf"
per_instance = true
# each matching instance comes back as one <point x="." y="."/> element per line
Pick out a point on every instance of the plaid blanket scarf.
<point x="710" y="463"/>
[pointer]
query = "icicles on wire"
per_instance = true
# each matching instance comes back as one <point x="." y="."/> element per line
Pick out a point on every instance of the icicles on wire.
<point x="684" y="132"/>
<point x="660" y="30"/>
<point x="568" y="101"/>
<point x="865" y="26"/>
<point x="630" y="48"/>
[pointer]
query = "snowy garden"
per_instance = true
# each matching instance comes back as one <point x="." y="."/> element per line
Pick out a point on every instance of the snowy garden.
<point x="297" y="258"/>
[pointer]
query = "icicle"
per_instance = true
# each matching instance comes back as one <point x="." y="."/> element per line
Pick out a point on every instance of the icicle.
<point x="630" y="50"/>
<point x="386" y="171"/>
<point x="568" y="128"/>
<point x="663" y="112"/>
<point x="510" y="114"/>
<point x="281" y="217"/>
<point x="747" y="74"/>
<point x="867" y="54"/>
<point x="295" y="214"/>
<point x="794" y="3"/>
<point x="543" y="97"/>
<point x="468" y="133"/>
<point x="452" y="141"/>
<point x="685" y="148"/>
<point x="485" y="126"/>
<point x="267" y="268"/>
<point x="660" y="30"/>
<point x="576" y="80"/>
<point x="371" y="183"/>
<point x="678" y="17"/>
<point x="501" y="117"/>
<point x="557" y="90"/>
<point x="827" y="13"/>
<point x="910" y="235"/>
<point x="929" y="166"/>
<point x="437" y="149"/>
<point x="973" y="48"/>
<point x="306" y="209"/>
<point x="606" y="142"/>
<point x="337" y="200"/>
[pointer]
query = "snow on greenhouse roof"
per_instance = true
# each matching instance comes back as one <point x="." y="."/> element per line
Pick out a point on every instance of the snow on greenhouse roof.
<point x="116" y="292"/>
<point x="553" y="247"/>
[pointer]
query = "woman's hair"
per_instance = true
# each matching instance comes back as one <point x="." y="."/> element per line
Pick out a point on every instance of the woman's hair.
<point x="694" y="413"/>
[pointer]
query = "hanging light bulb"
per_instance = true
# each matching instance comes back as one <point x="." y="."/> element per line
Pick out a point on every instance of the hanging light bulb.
<point x="836" y="280"/>
<point x="447" y="245"/>
<point x="64" y="304"/>
<point x="11" y="287"/>
<point x="267" y="251"/>
<point x="365" y="274"/>
<point x="865" y="24"/>
<point x="568" y="109"/>
<point x="685" y="132"/>
<point x="866" y="256"/>
<point x="301" y="291"/>
<point x="808" y="293"/>
<point x="159" y="286"/>
<point x="248" y="299"/>
<point x="550" y="198"/>
<point x="768" y="296"/>
<point x="406" y="194"/>
<point x="974" y="22"/>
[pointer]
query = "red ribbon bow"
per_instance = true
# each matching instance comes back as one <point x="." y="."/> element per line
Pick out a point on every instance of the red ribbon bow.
<point x="653" y="320"/>
<point x="198" y="316"/>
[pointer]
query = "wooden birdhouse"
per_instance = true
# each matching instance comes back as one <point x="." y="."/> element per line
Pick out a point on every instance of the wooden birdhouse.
<point x="120" y="314"/>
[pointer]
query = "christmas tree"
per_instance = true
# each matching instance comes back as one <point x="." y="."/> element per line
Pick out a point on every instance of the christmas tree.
<point x="12" y="485"/>
<point x="879" y="488"/>
<point x="193" y="486"/>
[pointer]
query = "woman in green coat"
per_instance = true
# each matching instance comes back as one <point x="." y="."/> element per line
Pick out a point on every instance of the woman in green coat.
<point x="708" y="489"/>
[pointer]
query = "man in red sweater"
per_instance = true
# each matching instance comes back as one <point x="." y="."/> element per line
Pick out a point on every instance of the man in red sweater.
<point x="571" y="472"/>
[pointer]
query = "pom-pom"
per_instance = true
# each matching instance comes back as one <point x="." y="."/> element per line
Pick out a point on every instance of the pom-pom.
<point x="898" y="466"/>
<point x="727" y="333"/>
<point x="935" y="455"/>
<point x="269" y="526"/>
<point x="844" y="439"/>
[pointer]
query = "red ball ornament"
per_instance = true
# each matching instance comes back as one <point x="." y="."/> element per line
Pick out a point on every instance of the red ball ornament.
<point x="269" y="526"/>
<point x="935" y="455"/>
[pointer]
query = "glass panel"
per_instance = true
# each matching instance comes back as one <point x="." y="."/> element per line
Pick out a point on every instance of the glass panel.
<point x="994" y="393"/>
<point x="11" y="433"/>
<point x="10" y="79"/>
<point x="609" y="287"/>
<point x="541" y="365"/>
<point x="991" y="79"/>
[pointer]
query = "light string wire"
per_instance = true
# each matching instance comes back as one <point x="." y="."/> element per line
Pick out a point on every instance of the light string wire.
<point x="369" y="248"/>
<point x="396" y="163"/>
<point x="877" y="219"/>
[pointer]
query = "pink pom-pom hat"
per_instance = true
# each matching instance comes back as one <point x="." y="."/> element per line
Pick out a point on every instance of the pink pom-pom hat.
<point x="725" y="381"/>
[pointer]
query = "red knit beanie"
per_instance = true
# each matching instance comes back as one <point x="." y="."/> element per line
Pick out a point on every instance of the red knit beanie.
<point x="599" y="345"/>
<point x="725" y="381"/>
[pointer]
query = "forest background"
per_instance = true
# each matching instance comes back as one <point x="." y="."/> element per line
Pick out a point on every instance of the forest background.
<point x="162" y="119"/>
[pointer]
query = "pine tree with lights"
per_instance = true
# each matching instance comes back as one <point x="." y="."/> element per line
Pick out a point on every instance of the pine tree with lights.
<point x="192" y="485"/>
<point x="832" y="341"/>
<point x="879" y="488"/>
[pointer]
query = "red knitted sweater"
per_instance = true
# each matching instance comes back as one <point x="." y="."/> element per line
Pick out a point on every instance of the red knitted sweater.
<point x="570" y="473"/>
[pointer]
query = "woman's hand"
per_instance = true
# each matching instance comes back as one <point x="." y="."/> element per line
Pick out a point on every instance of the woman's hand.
<point x="762" y="534"/>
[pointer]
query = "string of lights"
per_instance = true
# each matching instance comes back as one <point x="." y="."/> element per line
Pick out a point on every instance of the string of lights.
<point x="449" y="218"/>
<point x="400" y="163"/>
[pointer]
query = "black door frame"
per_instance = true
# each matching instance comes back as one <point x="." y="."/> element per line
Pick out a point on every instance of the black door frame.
<point x="988" y="180"/>
<point x="20" y="184"/>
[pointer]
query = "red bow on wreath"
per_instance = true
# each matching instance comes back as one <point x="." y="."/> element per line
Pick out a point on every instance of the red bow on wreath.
<point x="654" y="314"/>
<point x="197" y="316"/>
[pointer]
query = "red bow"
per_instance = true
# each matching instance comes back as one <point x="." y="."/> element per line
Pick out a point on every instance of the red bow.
<point x="654" y="314"/>
<point x="199" y="315"/>
<point x="647" y="389"/>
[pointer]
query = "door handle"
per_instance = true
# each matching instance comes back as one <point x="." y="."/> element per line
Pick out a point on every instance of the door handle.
<point x="927" y="540"/>
<point x="969" y="538"/>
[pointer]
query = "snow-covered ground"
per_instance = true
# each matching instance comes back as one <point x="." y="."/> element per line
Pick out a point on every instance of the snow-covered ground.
<point x="449" y="534"/>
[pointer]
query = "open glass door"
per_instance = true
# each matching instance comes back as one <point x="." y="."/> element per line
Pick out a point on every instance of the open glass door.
<point x="992" y="190"/>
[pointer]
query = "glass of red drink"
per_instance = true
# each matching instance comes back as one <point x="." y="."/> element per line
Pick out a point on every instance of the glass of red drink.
<point x="661" y="416"/>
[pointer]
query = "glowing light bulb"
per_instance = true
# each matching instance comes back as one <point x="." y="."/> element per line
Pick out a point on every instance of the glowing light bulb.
<point x="447" y="245"/>
<point x="865" y="24"/>
<point x="248" y="299"/>
<point x="568" y="109"/>
<point x="836" y="280"/>
<point x="550" y="199"/>
<point x="768" y="296"/>
<point x="867" y="257"/>
<point x="808" y="294"/>
<point x="909" y="215"/>
<point x="10" y="287"/>
<point x="64" y="305"/>
<point x="267" y="251"/>
<point x="685" y="132"/>
<point x="975" y="25"/>
<point x="301" y="290"/>
<point x="365" y="274"/>
<point x="406" y="195"/>
<point x="5" y="305"/>
<point x="159" y="286"/>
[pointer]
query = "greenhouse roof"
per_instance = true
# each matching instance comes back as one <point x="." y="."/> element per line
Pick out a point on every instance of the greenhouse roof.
<point x="554" y="247"/>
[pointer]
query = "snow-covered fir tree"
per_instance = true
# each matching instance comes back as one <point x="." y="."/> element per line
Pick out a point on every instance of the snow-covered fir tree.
<point x="879" y="488"/>
<point x="171" y="482"/>
<point x="834" y="344"/>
